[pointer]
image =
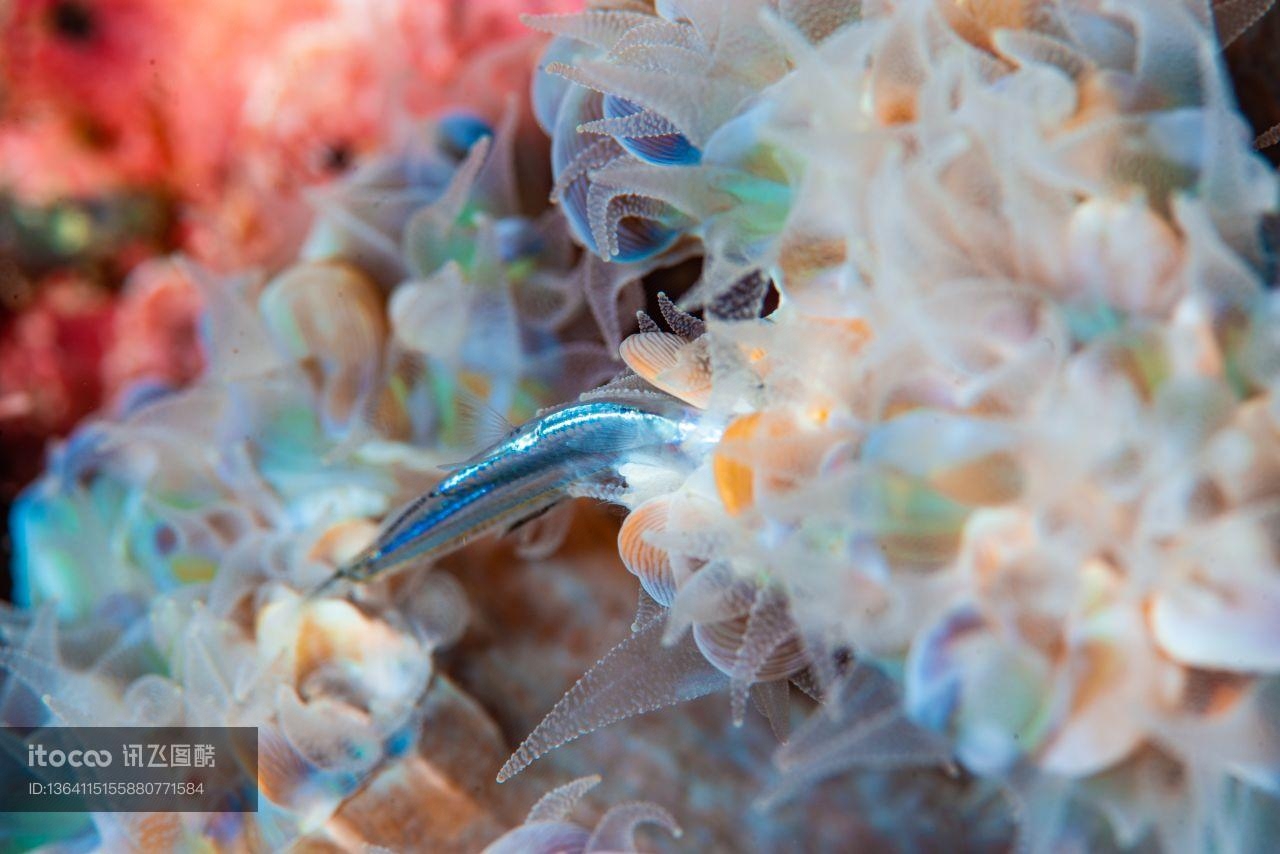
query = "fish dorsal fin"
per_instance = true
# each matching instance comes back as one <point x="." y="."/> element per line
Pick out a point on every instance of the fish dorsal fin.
<point x="451" y="468"/>
<point x="480" y="424"/>
<point x="480" y="427"/>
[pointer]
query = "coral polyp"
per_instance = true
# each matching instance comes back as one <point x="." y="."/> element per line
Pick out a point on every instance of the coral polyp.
<point x="979" y="442"/>
<point x="949" y="479"/>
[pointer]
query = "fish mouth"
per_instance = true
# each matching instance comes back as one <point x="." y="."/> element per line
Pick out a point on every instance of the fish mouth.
<point x="359" y="569"/>
<point x="326" y="586"/>
<point x="362" y="566"/>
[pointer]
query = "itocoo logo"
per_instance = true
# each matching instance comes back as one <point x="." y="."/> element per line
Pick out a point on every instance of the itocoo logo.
<point x="40" y="757"/>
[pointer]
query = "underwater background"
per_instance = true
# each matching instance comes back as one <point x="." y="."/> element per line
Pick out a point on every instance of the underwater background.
<point x="868" y="411"/>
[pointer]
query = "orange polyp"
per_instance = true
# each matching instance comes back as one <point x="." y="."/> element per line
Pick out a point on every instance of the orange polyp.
<point x="158" y="831"/>
<point x="670" y="363"/>
<point x="649" y="563"/>
<point x="976" y="20"/>
<point x="343" y="541"/>
<point x="987" y="481"/>
<point x="651" y="353"/>
<point x="475" y="383"/>
<point x="847" y="333"/>
<point x="735" y="480"/>
<point x="314" y="648"/>
<point x="857" y="326"/>
<point x="895" y="105"/>
<point x="771" y="452"/>
<point x="1094" y="99"/>
<point x="799" y="254"/>
<point x="854" y="326"/>
<point x="636" y="553"/>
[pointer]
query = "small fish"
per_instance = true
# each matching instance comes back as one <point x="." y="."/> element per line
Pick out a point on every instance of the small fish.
<point x="522" y="476"/>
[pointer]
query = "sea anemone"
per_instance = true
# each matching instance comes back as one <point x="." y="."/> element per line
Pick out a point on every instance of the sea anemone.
<point x="978" y="444"/>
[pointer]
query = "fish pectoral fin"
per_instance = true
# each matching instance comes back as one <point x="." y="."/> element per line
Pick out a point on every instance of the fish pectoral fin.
<point x="608" y="440"/>
<point x="540" y="535"/>
<point x="532" y="517"/>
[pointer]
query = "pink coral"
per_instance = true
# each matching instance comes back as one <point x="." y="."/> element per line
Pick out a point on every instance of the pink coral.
<point x="230" y="112"/>
<point x="49" y="356"/>
<point x="154" y="330"/>
<point x="235" y="108"/>
<point x="98" y="54"/>
<point x="327" y="98"/>
<point x="76" y="346"/>
<point x="48" y="154"/>
<point x="470" y="53"/>
<point x="83" y="81"/>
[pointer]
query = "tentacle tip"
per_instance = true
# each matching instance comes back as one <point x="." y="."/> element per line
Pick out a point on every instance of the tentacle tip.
<point x="513" y="766"/>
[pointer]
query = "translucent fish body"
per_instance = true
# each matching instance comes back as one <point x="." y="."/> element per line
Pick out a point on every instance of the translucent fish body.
<point x="526" y="473"/>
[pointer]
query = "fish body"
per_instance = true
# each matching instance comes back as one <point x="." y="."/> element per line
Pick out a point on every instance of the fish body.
<point x="521" y="476"/>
